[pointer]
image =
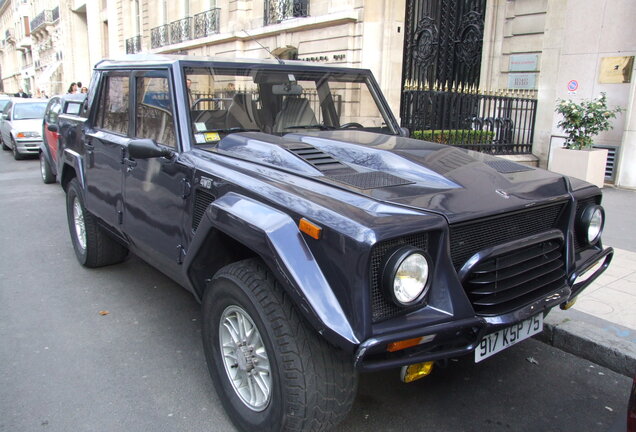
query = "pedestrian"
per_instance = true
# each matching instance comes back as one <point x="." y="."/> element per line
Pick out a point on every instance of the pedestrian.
<point x="21" y="94"/>
<point x="84" y="90"/>
<point x="72" y="89"/>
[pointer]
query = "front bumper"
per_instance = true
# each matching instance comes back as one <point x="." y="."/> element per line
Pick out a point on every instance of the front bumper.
<point x="28" y="146"/>
<point x="460" y="337"/>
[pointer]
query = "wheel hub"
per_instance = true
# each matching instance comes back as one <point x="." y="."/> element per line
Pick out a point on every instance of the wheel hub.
<point x="245" y="358"/>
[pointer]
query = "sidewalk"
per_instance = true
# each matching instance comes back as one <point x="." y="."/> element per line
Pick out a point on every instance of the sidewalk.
<point x="601" y="326"/>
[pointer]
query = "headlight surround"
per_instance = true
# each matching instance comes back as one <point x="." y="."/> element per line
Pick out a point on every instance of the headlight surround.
<point x="591" y="224"/>
<point x="406" y="276"/>
<point x="27" y="135"/>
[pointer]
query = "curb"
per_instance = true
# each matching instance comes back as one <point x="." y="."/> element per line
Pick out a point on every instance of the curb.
<point x="594" y="339"/>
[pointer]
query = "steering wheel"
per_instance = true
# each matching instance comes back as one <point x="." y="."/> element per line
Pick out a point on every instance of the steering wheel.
<point x="350" y="125"/>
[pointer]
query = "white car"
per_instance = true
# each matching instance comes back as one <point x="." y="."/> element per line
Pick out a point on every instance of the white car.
<point x="21" y="126"/>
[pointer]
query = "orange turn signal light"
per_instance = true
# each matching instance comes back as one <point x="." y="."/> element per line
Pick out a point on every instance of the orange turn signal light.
<point x="312" y="230"/>
<point x="404" y="344"/>
<point x="20" y="135"/>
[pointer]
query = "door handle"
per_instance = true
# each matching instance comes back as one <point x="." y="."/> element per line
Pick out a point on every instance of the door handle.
<point x="130" y="163"/>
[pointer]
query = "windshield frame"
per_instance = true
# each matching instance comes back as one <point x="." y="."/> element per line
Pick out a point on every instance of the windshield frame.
<point x="363" y="77"/>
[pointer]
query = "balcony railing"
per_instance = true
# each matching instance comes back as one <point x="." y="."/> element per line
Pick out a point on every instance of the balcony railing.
<point x="181" y="30"/>
<point x="133" y="45"/>
<point x="281" y="10"/>
<point x="206" y="23"/>
<point x="44" y="17"/>
<point x="160" y="36"/>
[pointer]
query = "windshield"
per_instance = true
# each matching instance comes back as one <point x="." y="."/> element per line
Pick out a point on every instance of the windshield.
<point x="23" y="111"/>
<point x="224" y="100"/>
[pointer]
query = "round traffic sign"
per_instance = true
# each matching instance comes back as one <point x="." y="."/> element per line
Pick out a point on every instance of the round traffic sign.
<point x="573" y="85"/>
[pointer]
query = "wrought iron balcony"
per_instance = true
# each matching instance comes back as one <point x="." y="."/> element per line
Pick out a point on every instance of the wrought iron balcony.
<point x="206" y="23"/>
<point x="41" y="19"/>
<point x="181" y="30"/>
<point x="159" y="36"/>
<point x="281" y="10"/>
<point x="133" y="45"/>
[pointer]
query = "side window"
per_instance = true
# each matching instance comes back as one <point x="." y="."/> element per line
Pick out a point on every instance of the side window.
<point x="113" y="107"/>
<point x="53" y="113"/>
<point x="73" y="108"/>
<point x="153" y="110"/>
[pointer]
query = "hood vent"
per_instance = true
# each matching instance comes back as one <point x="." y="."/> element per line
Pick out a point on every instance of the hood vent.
<point x="370" y="180"/>
<point x="317" y="158"/>
<point x="507" y="167"/>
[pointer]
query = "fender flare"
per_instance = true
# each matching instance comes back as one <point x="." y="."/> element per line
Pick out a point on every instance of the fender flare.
<point x="274" y="236"/>
<point x="74" y="160"/>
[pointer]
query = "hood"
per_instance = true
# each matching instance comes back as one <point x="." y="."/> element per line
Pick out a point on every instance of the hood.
<point x="28" y="125"/>
<point x="457" y="183"/>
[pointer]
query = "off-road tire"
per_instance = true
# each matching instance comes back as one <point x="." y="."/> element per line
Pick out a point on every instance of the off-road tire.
<point x="45" y="170"/>
<point x="313" y="384"/>
<point x="100" y="249"/>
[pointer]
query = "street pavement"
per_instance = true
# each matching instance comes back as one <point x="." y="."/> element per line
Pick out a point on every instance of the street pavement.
<point x="140" y="366"/>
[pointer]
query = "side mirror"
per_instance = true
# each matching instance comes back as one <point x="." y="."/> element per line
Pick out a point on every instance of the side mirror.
<point x="146" y="148"/>
<point x="52" y="128"/>
<point x="404" y="132"/>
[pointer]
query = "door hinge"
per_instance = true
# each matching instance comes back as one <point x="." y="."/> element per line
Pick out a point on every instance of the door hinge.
<point x="180" y="254"/>
<point x="186" y="188"/>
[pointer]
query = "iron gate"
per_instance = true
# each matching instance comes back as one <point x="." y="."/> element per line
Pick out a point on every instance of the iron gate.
<point x="440" y="79"/>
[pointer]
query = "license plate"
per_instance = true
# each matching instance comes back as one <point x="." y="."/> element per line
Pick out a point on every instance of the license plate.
<point x="502" y="339"/>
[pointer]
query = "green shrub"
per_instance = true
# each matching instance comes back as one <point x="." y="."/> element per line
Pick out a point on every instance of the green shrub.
<point x="455" y="136"/>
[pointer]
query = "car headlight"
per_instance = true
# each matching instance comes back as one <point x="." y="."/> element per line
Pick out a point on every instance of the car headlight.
<point x="591" y="224"/>
<point x="406" y="276"/>
<point x="28" y="135"/>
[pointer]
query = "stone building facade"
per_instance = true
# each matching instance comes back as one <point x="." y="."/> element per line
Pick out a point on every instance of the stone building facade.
<point x="542" y="44"/>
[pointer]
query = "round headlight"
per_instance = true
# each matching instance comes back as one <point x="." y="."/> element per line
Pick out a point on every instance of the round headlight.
<point x="591" y="224"/>
<point x="406" y="276"/>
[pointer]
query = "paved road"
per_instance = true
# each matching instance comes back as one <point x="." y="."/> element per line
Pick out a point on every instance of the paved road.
<point x="64" y="367"/>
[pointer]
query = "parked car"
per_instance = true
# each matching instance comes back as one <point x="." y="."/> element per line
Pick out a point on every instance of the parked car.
<point x="320" y="239"/>
<point x="21" y="126"/>
<point x="53" y="132"/>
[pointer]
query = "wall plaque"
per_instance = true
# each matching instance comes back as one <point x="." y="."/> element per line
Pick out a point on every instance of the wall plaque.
<point x="616" y="70"/>
<point x="523" y="62"/>
<point x="522" y="81"/>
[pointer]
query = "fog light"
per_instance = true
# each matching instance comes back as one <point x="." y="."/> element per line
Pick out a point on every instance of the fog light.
<point x="415" y="371"/>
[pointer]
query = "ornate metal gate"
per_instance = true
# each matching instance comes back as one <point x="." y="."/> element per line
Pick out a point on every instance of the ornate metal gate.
<point x="440" y="79"/>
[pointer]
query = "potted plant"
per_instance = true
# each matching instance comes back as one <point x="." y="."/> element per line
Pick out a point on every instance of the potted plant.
<point x="581" y="123"/>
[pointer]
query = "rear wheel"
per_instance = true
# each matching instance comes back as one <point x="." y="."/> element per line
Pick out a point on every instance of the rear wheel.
<point x="45" y="170"/>
<point x="271" y="371"/>
<point x="93" y="246"/>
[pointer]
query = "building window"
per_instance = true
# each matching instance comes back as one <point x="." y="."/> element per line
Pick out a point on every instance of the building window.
<point x="280" y="10"/>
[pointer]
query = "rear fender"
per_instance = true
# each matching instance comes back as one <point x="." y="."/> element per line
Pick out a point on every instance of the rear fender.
<point x="274" y="236"/>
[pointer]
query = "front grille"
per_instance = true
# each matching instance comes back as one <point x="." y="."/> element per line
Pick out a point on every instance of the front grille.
<point x="468" y="238"/>
<point x="580" y="245"/>
<point x="507" y="282"/>
<point x="202" y="199"/>
<point x="381" y="307"/>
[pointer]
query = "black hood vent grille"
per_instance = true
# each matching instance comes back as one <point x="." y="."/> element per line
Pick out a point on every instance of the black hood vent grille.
<point x="318" y="158"/>
<point x="370" y="180"/>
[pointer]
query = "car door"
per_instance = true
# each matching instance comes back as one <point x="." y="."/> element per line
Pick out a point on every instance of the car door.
<point x="106" y="137"/>
<point x="51" y="137"/>
<point x="156" y="189"/>
<point x="5" y="125"/>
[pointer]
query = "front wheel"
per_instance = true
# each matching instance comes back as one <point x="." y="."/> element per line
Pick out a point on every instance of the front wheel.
<point x="16" y="153"/>
<point x="93" y="246"/>
<point x="271" y="371"/>
<point x="45" y="170"/>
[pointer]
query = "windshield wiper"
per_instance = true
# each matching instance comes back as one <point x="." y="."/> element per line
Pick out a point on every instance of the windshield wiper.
<point x="313" y="126"/>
